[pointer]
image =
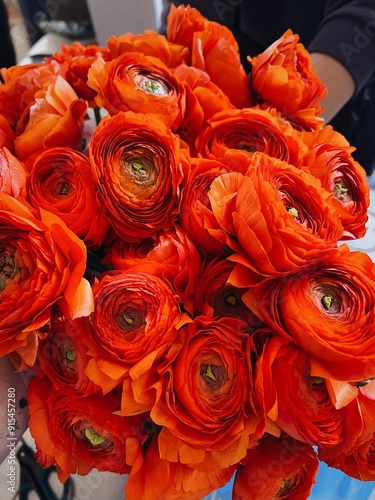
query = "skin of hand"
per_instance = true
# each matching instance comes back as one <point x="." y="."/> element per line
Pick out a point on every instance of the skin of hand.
<point x="14" y="415"/>
<point x="339" y="82"/>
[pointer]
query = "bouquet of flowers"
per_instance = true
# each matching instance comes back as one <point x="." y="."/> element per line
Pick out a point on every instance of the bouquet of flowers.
<point x="174" y="266"/>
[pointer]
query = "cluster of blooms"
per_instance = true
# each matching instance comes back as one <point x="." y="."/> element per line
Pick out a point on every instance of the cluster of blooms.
<point x="177" y="274"/>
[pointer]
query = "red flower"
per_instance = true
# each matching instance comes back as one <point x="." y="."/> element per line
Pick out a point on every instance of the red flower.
<point x="329" y="159"/>
<point x="62" y="355"/>
<point x="76" y="59"/>
<point x="276" y="468"/>
<point x="246" y="130"/>
<point x="42" y="264"/>
<point x="195" y="205"/>
<point x="155" y="478"/>
<point x="80" y="433"/>
<point x="295" y="400"/>
<point x="204" y="389"/>
<point x="184" y="21"/>
<point x="355" y="454"/>
<point x="7" y="135"/>
<point x="214" y="50"/>
<point x="215" y="297"/>
<point x="136" y="320"/>
<point x="61" y="182"/>
<point x="13" y="174"/>
<point x="55" y="118"/>
<point x="138" y="168"/>
<point x="203" y="100"/>
<point x="283" y="76"/>
<point x="139" y="83"/>
<point x="276" y="217"/>
<point x="152" y="44"/>
<point x="333" y="315"/>
<point x="21" y="83"/>
<point x="171" y="256"/>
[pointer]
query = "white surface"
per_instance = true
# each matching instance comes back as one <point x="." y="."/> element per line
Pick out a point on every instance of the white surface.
<point x="116" y="17"/>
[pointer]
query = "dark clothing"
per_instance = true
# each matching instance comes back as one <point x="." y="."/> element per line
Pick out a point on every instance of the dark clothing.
<point x="344" y="29"/>
<point x="7" y="52"/>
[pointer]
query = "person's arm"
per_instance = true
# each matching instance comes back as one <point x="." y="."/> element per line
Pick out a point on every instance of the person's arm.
<point x="14" y="415"/>
<point x="343" y="50"/>
<point x="338" y="81"/>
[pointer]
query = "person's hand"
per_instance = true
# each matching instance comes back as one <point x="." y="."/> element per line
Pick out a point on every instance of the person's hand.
<point x="339" y="82"/>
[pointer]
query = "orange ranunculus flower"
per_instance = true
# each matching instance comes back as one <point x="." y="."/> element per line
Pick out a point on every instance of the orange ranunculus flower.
<point x="195" y="205"/>
<point x="204" y="389"/>
<point x="13" y="174"/>
<point x="150" y="43"/>
<point x="60" y="181"/>
<point x="214" y="49"/>
<point x="7" y="134"/>
<point x="276" y="218"/>
<point x="56" y="118"/>
<point x="355" y="454"/>
<point x="63" y="359"/>
<point x="246" y="130"/>
<point x="155" y="478"/>
<point x="296" y="401"/>
<point x="138" y="168"/>
<point x="139" y="83"/>
<point x="215" y="297"/>
<point x="277" y="468"/>
<point x="203" y="100"/>
<point x="283" y="76"/>
<point x="79" y="433"/>
<point x="171" y="255"/>
<point x="329" y="159"/>
<point x="42" y="264"/>
<point x="333" y="312"/>
<point x="76" y="59"/>
<point x="136" y="319"/>
<point x="21" y="83"/>
<point x="222" y="63"/>
<point x="184" y="21"/>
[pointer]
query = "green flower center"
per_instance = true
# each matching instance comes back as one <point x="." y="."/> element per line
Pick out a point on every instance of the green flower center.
<point x="341" y="192"/>
<point x="215" y="376"/>
<point x="152" y="85"/>
<point x="327" y="301"/>
<point x="93" y="437"/>
<point x="293" y="212"/>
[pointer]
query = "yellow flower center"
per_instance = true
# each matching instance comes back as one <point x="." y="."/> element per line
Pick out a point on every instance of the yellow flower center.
<point x="93" y="437"/>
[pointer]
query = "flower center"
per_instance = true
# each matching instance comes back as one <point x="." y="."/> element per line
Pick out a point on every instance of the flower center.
<point x="330" y="299"/>
<point x="231" y="300"/>
<point x="152" y="85"/>
<point x="130" y="320"/>
<point x="341" y="191"/>
<point x="138" y="171"/>
<point x="68" y="356"/>
<point x="93" y="437"/>
<point x="293" y="212"/>
<point x="9" y="270"/>
<point x="215" y="376"/>
<point x="285" y="488"/>
<point x="294" y="209"/>
<point x="63" y="189"/>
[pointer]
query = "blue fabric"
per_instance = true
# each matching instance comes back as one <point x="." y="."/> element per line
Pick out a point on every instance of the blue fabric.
<point x="331" y="484"/>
